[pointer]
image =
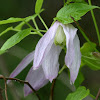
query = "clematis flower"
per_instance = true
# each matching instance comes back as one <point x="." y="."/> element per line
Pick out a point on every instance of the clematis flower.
<point x="45" y="58"/>
<point x="36" y="78"/>
<point x="48" y="49"/>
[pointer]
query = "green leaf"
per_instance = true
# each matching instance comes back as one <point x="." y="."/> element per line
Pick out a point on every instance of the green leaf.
<point x="11" y="20"/>
<point x="91" y="61"/>
<point x="79" y="94"/>
<point x="86" y="48"/>
<point x="75" y="10"/>
<point x="15" y="39"/>
<point x="89" y="57"/>
<point x="38" y="6"/>
<point x="27" y="19"/>
<point x="1" y="52"/>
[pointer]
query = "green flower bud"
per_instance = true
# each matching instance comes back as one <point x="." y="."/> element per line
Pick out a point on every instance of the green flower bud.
<point x="60" y="38"/>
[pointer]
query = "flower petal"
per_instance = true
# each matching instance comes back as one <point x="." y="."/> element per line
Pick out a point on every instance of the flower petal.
<point x="74" y="68"/>
<point x="70" y="33"/>
<point x="36" y="78"/>
<point x="73" y="55"/>
<point x="44" y="45"/>
<point x="22" y="65"/>
<point x="50" y="63"/>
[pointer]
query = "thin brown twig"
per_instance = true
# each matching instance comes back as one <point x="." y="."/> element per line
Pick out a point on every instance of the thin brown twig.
<point x="21" y="81"/>
<point x="2" y="77"/>
<point x="98" y="94"/>
<point x="52" y="89"/>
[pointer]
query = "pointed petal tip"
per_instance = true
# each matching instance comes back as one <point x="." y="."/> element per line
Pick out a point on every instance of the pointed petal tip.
<point x="51" y="78"/>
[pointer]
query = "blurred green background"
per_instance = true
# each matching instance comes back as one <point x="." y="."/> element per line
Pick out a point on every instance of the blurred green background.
<point x="9" y="60"/>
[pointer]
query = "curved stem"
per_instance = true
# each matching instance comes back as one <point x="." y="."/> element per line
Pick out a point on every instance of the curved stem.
<point x="95" y="23"/>
<point x="61" y="70"/>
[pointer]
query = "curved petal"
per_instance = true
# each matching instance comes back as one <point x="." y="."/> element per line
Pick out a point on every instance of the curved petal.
<point x="22" y="65"/>
<point x="50" y="63"/>
<point x="73" y="55"/>
<point x="44" y="45"/>
<point x="36" y="78"/>
<point x="74" y="68"/>
<point x="70" y="32"/>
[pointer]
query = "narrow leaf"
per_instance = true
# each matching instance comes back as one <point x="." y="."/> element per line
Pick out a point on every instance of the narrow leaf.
<point x="75" y="10"/>
<point x="27" y="19"/>
<point x="11" y="20"/>
<point x="86" y="48"/>
<point x="15" y="39"/>
<point x="90" y="57"/>
<point x="38" y="6"/>
<point x="91" y="61"/>
<point x="79" y="94"/>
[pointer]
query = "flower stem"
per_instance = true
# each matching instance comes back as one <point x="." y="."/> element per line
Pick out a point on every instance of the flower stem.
<point x="95" y="23"/>
<point x="33" y="28"/>
<point x="36" y="26"/>
<point x="64" y="66"/>
<point x="92" y="96"/>
<point x="43" y="22"/>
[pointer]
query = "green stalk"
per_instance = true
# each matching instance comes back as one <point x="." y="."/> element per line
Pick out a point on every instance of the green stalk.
<point x="92" y="96"/>
<point x="95" y="23"/>
<point x="36" y="26"/>
<point x="33" y="28"/>
<point x="61" y="70"/>
<point x="43" y="22"/>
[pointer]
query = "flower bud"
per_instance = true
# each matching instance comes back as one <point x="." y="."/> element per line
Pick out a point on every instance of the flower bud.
<point x="60" y="37"/>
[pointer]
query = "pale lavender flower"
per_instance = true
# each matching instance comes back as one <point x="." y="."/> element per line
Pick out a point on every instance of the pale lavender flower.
<point x="47" y="53"/>
<point x="36" y="78"/>
<point x="46" y="65"/>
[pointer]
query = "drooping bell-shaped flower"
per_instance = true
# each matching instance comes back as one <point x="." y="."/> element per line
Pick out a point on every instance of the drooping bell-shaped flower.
<point x="48" y="49"/>
<point x="46" y="65"/>
<point x="36" y="78"/>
